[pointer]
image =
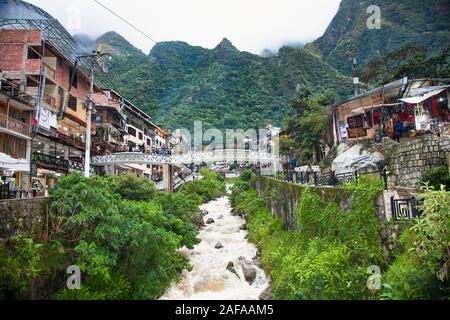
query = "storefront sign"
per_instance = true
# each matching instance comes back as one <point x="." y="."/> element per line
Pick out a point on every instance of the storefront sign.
<point x="6" y="173"/>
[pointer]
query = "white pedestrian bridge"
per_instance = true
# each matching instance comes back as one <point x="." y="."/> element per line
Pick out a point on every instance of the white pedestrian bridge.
<point x="228" y="156"/>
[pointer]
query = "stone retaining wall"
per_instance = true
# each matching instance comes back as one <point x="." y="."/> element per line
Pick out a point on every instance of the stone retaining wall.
<point x="23" y="217"/>
<point x="282" y="198"/>
<point x="409" y="160"/>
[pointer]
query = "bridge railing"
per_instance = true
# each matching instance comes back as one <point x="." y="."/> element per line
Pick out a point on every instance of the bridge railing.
<point x="229" y="156"/>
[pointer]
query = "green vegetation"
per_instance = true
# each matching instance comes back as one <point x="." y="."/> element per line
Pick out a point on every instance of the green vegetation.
<point x="410" y="61"/>
<point x="212" y="186"/>
<point x="403" y="22"/>
<point x="121" y="233"/>
<point x="225" y="88"/>
<point x="422" y="268"/>
<point x="436" y="177"/>
<point x="328" y="256"/>
<point x="308" y="128"/>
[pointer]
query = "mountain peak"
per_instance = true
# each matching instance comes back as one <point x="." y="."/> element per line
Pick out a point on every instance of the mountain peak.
<point x="114" y="43"/>
<point x="226" y="44"/>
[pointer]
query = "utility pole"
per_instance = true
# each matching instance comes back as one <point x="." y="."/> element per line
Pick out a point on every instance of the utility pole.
<point x="352" y="58"/>
<point x="90" y="106"/>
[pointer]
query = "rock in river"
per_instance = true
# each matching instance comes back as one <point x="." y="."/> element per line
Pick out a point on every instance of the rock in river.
<point x="210" y="221"/>
<point x="219" y="245"/>
<point x="249" y="273"/>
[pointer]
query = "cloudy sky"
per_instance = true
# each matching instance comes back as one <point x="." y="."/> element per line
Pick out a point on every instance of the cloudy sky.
<point x="252" y="25"/>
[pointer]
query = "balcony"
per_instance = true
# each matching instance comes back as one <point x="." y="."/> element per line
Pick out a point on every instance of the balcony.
<point x="14" y="125"/>
<point x="71" y="141"/>
<point x="13" y="91"/>
<point x="54" y="162"/>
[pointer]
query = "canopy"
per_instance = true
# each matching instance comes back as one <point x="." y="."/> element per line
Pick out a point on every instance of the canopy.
<point x="358" y="111"/>
<point x="420" y="99"/>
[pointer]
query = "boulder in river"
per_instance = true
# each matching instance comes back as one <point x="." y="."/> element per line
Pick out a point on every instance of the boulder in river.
<point x="219" y="245"/>
<point x="198" y="221"/>
<point x="249" y="273"/>
<point x="210" y="221"/>
<point x="244" y="227"/>
<point x="232" y="268"/>
<point x="267" y="294"/>
<point x="205" y="212"/>
<point x="220" y="217"/>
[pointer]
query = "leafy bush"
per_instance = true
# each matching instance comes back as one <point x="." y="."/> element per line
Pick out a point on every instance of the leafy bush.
<point x="133" y="188"/>
<point x="18" y="267"/>
<point x="211" y="187"/>
<point x="436" y="177"/>
<point x="122" y="234"/>
<point x="327" y="258"/>
<point x="422" y="269"/>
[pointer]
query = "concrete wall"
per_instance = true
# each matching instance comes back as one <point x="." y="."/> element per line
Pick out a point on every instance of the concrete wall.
<point x="24" y="217"/>
<point x="409" y="160"/>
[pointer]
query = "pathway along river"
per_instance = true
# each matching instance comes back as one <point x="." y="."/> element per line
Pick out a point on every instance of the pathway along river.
<point x="228" y="273"/>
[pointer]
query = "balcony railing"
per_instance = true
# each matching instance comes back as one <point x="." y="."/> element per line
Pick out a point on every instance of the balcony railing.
<point x="12" y="90"/>
<point x="14" y="125"/>
<point x="57" y="162"/>
<point x="67" y="139"/>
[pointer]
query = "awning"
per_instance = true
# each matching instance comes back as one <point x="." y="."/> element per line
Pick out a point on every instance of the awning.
<point x="420" y="99"/>
<point x="12" y="164"/>
<point x="358" y="111"/>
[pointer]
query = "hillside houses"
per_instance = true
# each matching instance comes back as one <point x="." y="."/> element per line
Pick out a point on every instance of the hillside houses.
<point x="43" y="118"/>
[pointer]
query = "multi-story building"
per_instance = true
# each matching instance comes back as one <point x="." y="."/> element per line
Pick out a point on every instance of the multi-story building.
<point x="16" y="114"/>
<point x="123" y="127"/>
<point x="38" y="55"/>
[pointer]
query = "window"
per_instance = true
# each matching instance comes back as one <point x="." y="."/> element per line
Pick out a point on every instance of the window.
<point x="141" y="136"/>
<point x="149" y="142"/>
<point x="131" y="131"/>
<point x="355" y="122"/>
<point x="72" y="103"/>
<point x="14" y="147"/>
<point x="73" y="76"/>
<point x="32" y="54"/>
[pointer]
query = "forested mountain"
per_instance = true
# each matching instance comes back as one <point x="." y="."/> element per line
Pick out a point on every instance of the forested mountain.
<point x="422" y="23"/>
<point x="225" y="88"/>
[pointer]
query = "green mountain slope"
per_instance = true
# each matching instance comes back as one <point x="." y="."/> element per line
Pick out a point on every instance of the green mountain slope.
<point x="225" y="88"/>
<point x="423" y="23"/>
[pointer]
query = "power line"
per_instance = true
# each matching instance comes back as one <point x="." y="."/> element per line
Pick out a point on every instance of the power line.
<point x="128" y="23"/>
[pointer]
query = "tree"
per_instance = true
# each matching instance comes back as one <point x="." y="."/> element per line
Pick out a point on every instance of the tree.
<point x="308" y="127"/>
<point x="409" y="61"/>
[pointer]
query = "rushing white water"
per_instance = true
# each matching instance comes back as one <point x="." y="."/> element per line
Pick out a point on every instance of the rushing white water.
<point x="210" y="279"/>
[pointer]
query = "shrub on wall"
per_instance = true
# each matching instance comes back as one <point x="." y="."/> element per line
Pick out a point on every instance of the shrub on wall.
<point x="436" y="177"/>
<point x="328" y="256"/>
<point x="422" y="268"/>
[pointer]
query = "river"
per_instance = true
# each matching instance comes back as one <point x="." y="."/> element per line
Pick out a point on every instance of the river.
<point x="218" y="274"/>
